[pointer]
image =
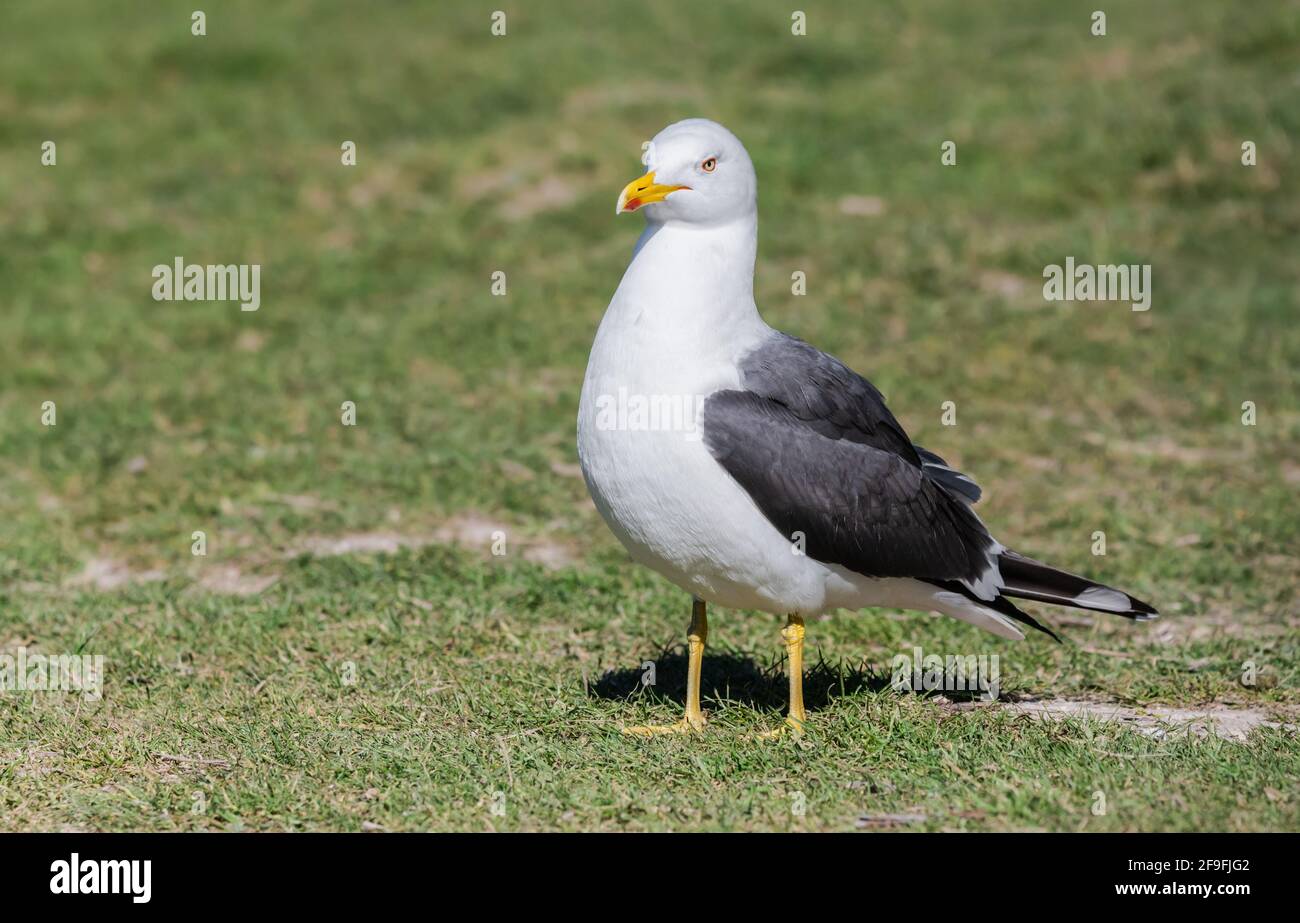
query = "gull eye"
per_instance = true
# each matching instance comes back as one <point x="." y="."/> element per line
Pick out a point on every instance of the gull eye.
<point x="709" y="165"/>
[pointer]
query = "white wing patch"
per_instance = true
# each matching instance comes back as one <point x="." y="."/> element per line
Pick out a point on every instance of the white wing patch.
<point x="989" y="584"/>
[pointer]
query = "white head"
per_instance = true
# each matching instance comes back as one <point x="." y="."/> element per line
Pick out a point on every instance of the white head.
<point x="699" y="173"/>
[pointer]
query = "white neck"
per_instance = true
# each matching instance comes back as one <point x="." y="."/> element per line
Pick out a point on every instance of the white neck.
<point x="691" y="281"/>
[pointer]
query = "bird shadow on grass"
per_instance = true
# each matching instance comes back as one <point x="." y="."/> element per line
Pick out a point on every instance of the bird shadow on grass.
<point x="736" y="677"/>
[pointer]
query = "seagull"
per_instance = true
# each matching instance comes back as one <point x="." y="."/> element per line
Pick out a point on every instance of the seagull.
<point x="755" y="471"/>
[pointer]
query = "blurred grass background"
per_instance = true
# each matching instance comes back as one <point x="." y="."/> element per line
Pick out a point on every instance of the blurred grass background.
<point x="478" y="154"/>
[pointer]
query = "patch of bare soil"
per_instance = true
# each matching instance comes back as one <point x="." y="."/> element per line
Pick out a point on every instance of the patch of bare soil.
<point x="1156" y="721"/>
<point x="230" y="579"/>
<point x="469" y="531"/>
<point x="104" y="573"/>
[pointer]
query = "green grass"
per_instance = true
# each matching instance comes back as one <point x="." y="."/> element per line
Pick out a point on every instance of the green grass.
<point x="478" y="674"/>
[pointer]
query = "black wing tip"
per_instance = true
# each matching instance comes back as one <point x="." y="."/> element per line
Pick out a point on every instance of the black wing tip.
<point x="1146" y="611"/>
<point x="1139" y="611"/>
<point x="1028" y="578"/>
<point x="1034" y="623"/>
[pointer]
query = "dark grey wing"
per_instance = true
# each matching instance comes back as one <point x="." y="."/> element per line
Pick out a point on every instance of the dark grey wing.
<point x="940" y="471"/>
<point x="824" y="393"/>
<point x="838" y="403"/>
<point x="857" y="505"/>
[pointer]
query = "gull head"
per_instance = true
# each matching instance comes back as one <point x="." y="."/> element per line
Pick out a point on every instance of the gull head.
<point x="697" y="173"/>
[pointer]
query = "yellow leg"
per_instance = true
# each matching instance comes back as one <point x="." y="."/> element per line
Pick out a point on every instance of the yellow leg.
<point x="793" y="634"/>
<point x="696" y="636"/>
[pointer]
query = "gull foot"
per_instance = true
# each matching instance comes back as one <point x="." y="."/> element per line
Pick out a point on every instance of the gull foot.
<point x="791" y="726"/>
<point x="685" y="726"/>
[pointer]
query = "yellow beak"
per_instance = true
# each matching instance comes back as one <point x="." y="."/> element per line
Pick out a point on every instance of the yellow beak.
<point x="643" y="191"/>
